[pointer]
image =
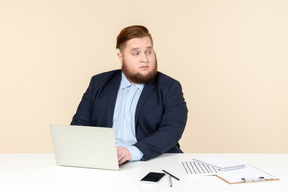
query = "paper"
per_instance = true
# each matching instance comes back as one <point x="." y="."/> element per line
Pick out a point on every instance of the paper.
<point x="247" y="174"/>
<point x="220" y="163"/>
<point x="198" y="168"/>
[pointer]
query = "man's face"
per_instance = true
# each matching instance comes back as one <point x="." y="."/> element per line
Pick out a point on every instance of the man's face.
<point x="138" y="59"/>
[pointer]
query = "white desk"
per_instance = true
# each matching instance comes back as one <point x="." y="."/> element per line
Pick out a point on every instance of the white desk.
<point x="38" y="172"/>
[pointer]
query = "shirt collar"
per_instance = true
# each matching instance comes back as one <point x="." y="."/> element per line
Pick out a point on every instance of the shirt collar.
<point x="125" y="83"/>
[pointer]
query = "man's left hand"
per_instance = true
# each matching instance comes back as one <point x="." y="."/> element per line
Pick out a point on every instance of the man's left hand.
<point x="123" y="155"/>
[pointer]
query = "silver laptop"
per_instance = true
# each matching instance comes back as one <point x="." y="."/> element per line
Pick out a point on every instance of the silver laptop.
<point x="84" y="146"/>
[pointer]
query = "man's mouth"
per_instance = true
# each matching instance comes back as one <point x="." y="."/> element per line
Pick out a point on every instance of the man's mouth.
<point x="144" y="67"/>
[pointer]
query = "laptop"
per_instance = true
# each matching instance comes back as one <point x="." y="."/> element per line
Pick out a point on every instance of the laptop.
<point x="84" y="146"/>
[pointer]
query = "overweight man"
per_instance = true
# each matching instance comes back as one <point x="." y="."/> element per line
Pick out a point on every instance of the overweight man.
<point x="145" y="107"/>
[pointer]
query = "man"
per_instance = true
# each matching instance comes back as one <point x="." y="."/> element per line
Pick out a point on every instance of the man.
<point x="145" y="108"/>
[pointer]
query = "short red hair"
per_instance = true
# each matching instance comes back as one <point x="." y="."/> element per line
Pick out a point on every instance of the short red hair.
<point x="131" y="32"/>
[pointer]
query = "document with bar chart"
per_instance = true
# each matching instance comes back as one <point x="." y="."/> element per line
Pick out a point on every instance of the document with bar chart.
<point x="199" y="168"/>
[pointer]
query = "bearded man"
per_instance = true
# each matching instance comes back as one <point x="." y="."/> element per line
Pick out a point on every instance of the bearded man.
<point x="146" y="108"/>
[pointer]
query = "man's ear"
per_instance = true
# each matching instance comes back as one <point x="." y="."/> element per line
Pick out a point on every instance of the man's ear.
<point x="120" y="57"/>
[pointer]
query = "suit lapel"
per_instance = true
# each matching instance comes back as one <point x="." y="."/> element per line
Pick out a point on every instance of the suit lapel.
<point x="148" y="88"/>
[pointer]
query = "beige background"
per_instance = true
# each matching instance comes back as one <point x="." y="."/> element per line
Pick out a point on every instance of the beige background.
<point x="230" y="56"/>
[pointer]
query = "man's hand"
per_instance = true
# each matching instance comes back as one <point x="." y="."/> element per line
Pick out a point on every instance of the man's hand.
<point x="123" y="155"/>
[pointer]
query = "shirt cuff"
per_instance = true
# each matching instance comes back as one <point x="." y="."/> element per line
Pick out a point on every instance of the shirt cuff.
<point x="135" y="153"/>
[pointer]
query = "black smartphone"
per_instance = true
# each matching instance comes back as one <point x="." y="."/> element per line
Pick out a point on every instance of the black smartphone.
<point x="152" y="177"/>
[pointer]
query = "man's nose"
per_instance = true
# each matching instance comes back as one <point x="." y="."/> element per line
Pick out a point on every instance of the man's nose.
<point x="143" y="58"/>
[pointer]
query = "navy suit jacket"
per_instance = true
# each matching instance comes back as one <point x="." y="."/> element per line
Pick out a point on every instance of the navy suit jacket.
<point x="161" y="112"/>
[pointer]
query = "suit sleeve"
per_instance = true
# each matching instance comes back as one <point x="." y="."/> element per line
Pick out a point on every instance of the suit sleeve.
<point x="171" y="127"/>
<point x="84" y="110"/>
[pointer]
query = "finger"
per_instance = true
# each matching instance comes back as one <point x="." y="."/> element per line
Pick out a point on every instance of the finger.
<point x="120" y="159"/>
<point x="120" y="154"/>
<point x="123" y="160"/>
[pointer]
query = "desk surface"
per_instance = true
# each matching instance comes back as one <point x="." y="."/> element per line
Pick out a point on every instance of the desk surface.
<point x="38" y="172"/>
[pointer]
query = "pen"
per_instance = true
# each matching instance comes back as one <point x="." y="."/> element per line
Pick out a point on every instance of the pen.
<point x="170" y="181"/>
<point x="171" y="175"/>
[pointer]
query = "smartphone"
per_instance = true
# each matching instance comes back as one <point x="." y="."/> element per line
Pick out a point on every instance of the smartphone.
<point x="152" y="177"/>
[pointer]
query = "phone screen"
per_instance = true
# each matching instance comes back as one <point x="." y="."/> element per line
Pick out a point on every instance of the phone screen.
<point x="152" y="177"/>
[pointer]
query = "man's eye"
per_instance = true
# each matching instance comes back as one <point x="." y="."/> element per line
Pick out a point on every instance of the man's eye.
<point x="136" y="53"/>
<point x="149" y="52"/>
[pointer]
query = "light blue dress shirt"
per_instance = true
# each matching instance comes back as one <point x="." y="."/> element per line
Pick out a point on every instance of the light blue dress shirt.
<point x="124" y="116"/>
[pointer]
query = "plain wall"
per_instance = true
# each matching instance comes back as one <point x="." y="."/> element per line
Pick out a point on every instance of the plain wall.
<point x="230" y="57"/>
